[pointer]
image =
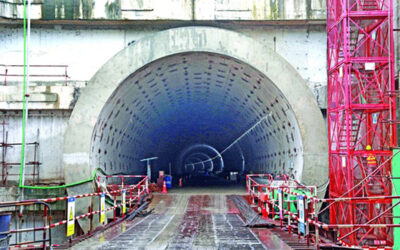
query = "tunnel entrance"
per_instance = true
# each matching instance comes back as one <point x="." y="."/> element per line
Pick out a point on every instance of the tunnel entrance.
<point x="201" y="114"/>
<point x="190" y="86"/>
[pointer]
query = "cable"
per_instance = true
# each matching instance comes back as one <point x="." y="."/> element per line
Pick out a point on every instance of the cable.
<point x="245" y="133"/>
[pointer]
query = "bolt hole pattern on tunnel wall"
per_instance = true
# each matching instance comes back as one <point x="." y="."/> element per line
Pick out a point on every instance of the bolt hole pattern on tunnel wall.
<point x="192" y="98"/>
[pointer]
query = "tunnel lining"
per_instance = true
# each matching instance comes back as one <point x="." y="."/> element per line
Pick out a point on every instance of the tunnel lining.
<point x="191" y="98"/>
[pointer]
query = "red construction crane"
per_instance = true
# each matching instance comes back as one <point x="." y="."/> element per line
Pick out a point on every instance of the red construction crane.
<point x="361" y="117"/>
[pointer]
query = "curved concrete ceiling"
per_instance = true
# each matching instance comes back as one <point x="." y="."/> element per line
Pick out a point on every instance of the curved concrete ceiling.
<point x="197" y="98"/>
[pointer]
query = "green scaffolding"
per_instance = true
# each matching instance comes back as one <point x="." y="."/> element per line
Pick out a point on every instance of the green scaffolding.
<point x="396" y="187"/>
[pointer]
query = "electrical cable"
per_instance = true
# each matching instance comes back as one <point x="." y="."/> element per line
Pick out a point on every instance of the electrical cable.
<point x="235" y="141"/>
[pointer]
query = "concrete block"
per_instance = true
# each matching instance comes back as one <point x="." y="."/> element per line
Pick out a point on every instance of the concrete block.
<point x="41" y="97"/>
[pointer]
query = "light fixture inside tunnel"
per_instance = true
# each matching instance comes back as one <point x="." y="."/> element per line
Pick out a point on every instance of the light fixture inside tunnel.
<point x="198" y="98"/>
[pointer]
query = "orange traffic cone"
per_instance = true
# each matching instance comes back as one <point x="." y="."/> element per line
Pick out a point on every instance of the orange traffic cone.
<point x="180" y="182"/>
<point x="164" y="188"/>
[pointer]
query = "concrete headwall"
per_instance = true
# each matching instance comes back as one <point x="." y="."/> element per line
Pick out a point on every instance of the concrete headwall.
<point x="84" y="49"/>
<point x="302" y="46"/>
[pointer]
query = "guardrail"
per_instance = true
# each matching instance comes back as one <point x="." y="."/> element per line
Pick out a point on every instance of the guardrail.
<point x="63" y="71"/>
<point x="295" y="206"/>
<point x="46" y="240"/>
<point x="131" y="196"/>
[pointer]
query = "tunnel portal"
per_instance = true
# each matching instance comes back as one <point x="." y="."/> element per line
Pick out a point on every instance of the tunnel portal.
<point x="197" y="110"/>
<point x="205" y="100"/>
<point x="173" y="94"/>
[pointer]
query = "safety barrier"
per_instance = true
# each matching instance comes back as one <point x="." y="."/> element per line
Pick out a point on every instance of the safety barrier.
<point x="46" y="236"/>
<point x="131" y="196"/>
<point x="296" y="207"/>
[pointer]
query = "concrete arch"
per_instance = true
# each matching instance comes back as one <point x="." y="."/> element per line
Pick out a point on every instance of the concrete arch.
<point x="201" y="149"/>
<point x="313" y="168"/>
<point x="197" y="161"/>
<point x="173" y="41"/>
<point x="206" y="160"/>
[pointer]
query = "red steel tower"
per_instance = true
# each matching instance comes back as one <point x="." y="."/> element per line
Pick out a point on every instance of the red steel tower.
<point x="361" y="117"/>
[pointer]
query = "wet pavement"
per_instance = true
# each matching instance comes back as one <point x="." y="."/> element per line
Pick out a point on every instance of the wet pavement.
<point x="186" y="221"/>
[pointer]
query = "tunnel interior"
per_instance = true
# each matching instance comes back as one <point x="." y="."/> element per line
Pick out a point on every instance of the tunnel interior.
<point x="200" y="113"/>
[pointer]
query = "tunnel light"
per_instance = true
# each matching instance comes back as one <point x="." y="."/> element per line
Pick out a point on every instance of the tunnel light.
<point x="147" y="160"/>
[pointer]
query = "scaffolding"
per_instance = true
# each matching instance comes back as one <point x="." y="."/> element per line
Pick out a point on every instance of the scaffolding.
<point x="361" y="117"/>
<point x="34" y="164"/>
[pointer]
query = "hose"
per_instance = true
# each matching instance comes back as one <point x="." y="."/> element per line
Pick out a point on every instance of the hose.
<point x="71" y="184"/>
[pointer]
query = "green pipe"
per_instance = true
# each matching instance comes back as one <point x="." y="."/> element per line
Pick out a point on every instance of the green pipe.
<point x="24" y="114"/>
<point x="72" y="184"/>
<point x="21" y="169"/>
<point x="395" y="191"/>
<point x="65" y="185"/>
